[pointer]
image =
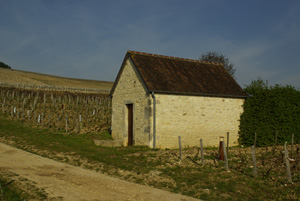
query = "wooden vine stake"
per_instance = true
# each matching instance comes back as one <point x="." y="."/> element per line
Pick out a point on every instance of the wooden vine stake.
<point x="57" y="122"/>
<point x="201" y="147"/>
<point x="254" y="162"/>
<point x="292" y="145"/>
<point x="80" y="124"/>
<point x="3" y="105"/>
<point x="42" y="119"/>
<point x="275" y="143"/>
<point x="66" y="124"/>
<point x="180" y="148"/>
<point x="276" y="135"/>
<point x="225" y="157"/>
<point x="35" y="116"/>
<point x="287" y="163"/>
<point x="18" y="113"/>
<point x="49" y="120"/>
<point x="227" y="143"/>
<point x="12" y="111"/>
<point x="77" y="126"/>
<point x="28" y="115"/>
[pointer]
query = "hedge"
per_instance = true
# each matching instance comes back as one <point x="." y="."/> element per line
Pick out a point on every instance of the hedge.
<point x="270" y="110"/>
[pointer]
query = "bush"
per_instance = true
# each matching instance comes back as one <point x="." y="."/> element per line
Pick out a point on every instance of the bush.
<point x="268" y="110"/>
<point x="3" y="65"/>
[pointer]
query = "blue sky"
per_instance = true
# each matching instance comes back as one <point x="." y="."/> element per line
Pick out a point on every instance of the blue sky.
<point x="89" y="38"/>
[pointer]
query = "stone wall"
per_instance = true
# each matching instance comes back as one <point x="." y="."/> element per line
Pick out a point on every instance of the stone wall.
<point x="130" y="90"/>
<point x="195" y="117"/>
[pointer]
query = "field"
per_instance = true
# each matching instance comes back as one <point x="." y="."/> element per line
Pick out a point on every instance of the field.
<point x="30" y="80"/>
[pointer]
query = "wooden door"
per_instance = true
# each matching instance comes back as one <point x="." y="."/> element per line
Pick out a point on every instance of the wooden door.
<point x="130" y="124"/>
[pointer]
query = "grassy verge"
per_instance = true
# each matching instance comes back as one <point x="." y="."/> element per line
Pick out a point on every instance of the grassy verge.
<point x="9" y="193"/>
<point x="157" y="168"/>
<point x="15" y="188"/>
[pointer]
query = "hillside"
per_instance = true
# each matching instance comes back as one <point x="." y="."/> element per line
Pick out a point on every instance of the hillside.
<point x="38" y="79"/>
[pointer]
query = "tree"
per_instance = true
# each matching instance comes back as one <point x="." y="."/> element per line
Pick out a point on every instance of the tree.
<point x="3" y="65"/>
<point x="219" y="58"/>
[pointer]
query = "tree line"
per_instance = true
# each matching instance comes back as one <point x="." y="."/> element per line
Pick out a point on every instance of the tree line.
<point x="3" y="65"/>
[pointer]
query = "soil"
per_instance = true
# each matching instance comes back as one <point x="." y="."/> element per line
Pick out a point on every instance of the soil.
<point x="60" y="181"/>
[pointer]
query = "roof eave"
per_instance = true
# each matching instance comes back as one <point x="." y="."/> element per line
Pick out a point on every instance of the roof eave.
<point x="199" y="94"/>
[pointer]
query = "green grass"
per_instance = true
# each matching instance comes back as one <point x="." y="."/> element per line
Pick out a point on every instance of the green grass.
<point x="79" y="145"/>
<point x="96" y="136"/>
<point x="9" y="192"/>
<point x="24" y="190"/>
<point x="205" y="182"/>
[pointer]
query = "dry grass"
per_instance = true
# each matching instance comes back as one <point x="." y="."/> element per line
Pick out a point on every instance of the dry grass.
<point x="31" y="78"/>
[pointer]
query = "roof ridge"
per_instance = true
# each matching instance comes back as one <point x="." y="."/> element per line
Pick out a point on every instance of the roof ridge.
<point x="171" y="57"/>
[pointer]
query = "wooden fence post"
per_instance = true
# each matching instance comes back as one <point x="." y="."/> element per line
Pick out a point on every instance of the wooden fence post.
<point x="57" y="122"/>
<point x="88" y="122"/>
<point x="18" y="113"/>
<point x="80" y="124"/>
<point x="34" y="119"/>
<point x="28" y="114"/>
<point x="287" y="162"/>
<point x="276" y="135"/>
<point x="225" y="157"/>
<point x="12" y="111"/>
<point x="292" y="145"/>
<point x="49" y="119"/>
<point x="77" y="126"/>
<point x="180" y="150"/>
<point x="254" y="162"/>
<point x="201" y="147"/>
<point x="66" y="124"/>
<point x="43" y="119"/>
<point x="227" y="143"/>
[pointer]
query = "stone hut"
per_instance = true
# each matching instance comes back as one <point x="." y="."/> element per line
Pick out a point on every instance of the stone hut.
<point x="157" y="98"/>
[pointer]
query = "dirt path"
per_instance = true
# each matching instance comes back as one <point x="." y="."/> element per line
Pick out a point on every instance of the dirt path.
<point x="66" y="182"/>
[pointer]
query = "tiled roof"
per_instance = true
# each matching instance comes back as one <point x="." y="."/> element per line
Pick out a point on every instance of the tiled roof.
<point x="170" y="57"/>
<point x="165" y="74"/>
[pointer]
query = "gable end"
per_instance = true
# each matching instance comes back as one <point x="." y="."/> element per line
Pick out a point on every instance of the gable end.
<point x="128" y="56"/>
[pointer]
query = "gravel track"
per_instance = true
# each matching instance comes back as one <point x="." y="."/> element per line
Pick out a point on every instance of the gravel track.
<point x="65" y="182"/>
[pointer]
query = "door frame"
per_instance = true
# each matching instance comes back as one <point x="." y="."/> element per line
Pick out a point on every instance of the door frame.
<point x="129" y="138"/>
<point x="130" y="124"/>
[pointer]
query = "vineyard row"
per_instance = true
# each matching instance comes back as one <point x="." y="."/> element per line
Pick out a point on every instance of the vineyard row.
<point x="52" y="88"/>
<point x="62" y="111"/>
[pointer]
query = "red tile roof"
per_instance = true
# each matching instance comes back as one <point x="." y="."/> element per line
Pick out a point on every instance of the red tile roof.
<point x="165" y="74"/>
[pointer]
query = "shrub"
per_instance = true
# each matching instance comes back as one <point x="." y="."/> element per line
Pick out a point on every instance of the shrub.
<point x="268" y="110"/>
<point x="3" y="65"/>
